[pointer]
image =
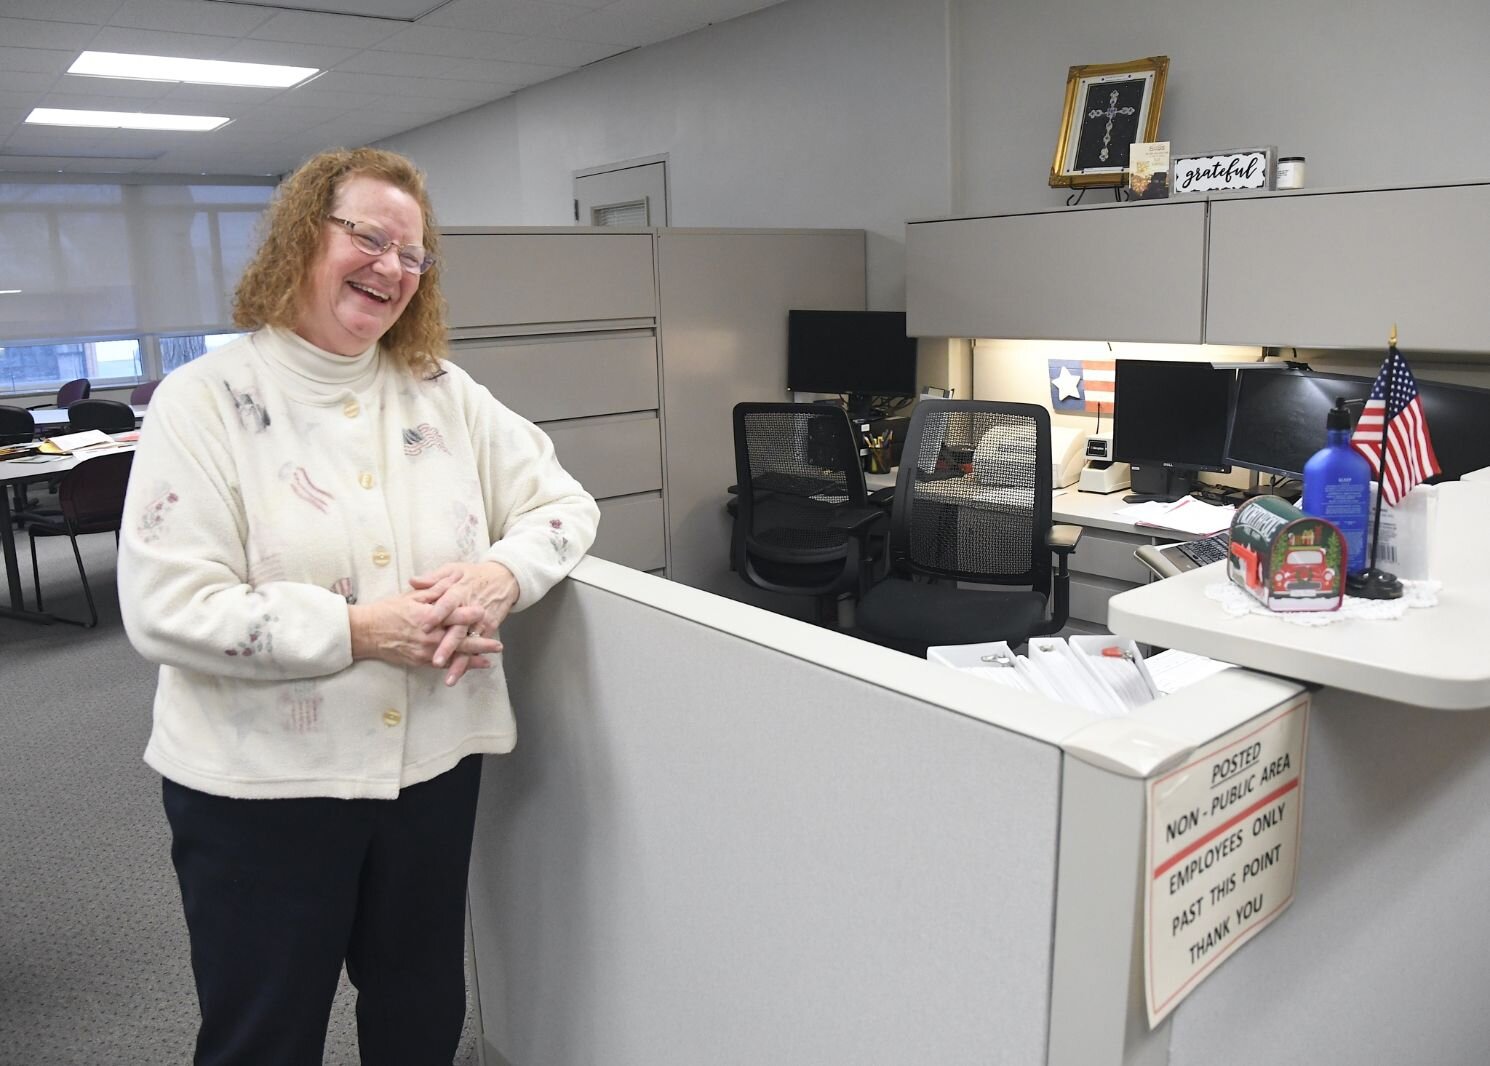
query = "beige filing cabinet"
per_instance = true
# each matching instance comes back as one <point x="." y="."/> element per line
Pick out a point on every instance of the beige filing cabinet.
<point x="630" y="347"/>
<point x="561" y="325"/>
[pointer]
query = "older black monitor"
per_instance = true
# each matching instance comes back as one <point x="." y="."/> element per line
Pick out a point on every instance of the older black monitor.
<point x="1278" y="419"/>
<point x="1170" y="423"/>
<point x="863" y="355"/>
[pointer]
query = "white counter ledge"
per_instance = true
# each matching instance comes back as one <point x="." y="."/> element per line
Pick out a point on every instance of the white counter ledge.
<point x="1433" y="657"/>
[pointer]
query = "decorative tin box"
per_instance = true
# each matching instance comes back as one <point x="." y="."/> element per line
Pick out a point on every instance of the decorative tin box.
<point x="1286" y="559"/>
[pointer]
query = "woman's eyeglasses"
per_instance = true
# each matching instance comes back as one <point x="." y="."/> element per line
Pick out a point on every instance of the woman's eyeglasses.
<point x="368" y="238"/>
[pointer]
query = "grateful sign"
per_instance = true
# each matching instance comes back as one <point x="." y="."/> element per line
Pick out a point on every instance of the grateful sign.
<point x="1248" y="168"/>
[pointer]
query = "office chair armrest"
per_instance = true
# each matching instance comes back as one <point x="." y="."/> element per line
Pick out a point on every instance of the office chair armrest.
<point x="882" y="497"/>
<point x="855" y="520"/>
<point x="1063" y="538"/>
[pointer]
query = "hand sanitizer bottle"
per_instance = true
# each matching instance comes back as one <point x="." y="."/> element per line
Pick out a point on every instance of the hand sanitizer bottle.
<point x="1337" y="486"/>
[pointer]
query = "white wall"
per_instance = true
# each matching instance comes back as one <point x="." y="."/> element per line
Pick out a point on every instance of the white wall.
<point x="1373" y="93"/>
<point x="812" y="113"/>
<point x="865" y="113"/>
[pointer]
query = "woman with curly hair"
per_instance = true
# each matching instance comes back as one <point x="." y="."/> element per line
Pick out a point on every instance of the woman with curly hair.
<point x="326" y="524"/>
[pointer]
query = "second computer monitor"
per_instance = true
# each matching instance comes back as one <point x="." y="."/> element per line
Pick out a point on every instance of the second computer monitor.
<point x="1171" y="417"/>
<point x="1278" y="420"/>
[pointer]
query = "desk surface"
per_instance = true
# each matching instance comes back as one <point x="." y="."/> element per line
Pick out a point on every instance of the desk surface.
<point x="1430" y="658"/>
<point x="1093" y="510"/>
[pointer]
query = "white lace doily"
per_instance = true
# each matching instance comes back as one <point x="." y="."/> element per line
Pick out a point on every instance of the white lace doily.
<point x="1236" y="601"/>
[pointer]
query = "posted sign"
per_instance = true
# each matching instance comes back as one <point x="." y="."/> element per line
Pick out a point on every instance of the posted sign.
<point x="1223" y="840"/>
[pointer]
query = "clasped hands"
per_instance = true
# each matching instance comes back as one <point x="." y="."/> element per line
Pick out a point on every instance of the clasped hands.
<point x="449" y="618"/>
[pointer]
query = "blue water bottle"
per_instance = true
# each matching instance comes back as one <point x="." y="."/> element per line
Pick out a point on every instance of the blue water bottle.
<point x="1337" y="486"/>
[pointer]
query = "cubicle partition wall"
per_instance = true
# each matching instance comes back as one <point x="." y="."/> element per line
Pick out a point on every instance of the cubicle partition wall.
<point x="729" y="837"/>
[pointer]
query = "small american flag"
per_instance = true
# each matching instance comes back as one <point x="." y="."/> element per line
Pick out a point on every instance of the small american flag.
<point x="1091" y="380"/>
<point x="1396" y="407"/>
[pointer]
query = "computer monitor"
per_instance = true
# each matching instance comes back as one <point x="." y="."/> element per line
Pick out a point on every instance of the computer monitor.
<point x="860" y="354"/>
<point x="1278" y="418"/>
<point x="1169" y="423"/>
<point x="1458" y="417"/>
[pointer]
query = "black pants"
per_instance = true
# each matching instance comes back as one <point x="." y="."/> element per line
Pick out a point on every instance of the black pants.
<point x="279" y="892"/>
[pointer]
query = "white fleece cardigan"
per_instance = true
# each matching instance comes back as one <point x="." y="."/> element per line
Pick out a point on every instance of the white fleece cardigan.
<point x="276" y="483"/>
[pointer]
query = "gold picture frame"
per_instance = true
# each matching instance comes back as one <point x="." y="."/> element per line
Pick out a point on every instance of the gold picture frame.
<point x="1109" y="106"/>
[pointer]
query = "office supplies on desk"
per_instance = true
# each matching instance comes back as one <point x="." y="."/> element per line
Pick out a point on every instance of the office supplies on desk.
<point x="88" y="440"/>
<point x="1285" y="559"/>
<point x="1187" y="515"/>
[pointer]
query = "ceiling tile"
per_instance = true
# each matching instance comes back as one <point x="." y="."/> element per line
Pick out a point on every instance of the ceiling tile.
<point x="690" y="10"/>
<point x="38" y="60"/>
<point x="320" y="56"/>
<point x="522" y="17"/>
<point x="438" y="88"/>
<point x="409" y="65"/>
<point x="439" y="41"/>
<point x="310" y="28"/>
<point x="88" y="12"/>
<point x="219" y="99"/>
<point x="561" y="53"/>
<point x="160" y="43"/>
<point x="190" y="16"/>
<point x="612" y="27"/>
<point x="19" y="81"/>
<point x="399" y="10"/>
<point x="35" y="33"/>
<point x="126" y="91"/>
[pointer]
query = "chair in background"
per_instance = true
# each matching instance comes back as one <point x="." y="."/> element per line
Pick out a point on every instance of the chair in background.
<point x="110" y="416"/>
<point x="803" y="523"/>
<point x="17" y="427"/>
<point x="972" y="506"/>
<point x="140" y="395"/>
<point x="91" y="497"/>
<point x="69" y="394"/>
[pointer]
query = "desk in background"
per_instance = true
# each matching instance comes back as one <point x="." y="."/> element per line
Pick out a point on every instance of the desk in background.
<point x="22" y="472"/>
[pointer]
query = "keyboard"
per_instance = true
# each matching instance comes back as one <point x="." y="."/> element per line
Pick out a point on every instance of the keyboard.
<point x="1207" y="550"/>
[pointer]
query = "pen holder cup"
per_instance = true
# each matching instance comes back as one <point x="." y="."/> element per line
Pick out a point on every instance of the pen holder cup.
<point x="877" y="460"/>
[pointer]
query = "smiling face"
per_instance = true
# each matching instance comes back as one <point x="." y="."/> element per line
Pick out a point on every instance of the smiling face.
<point x="350" y="298"/>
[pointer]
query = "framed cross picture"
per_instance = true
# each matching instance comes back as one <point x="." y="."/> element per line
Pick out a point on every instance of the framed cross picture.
<point x="1109" y="106"/>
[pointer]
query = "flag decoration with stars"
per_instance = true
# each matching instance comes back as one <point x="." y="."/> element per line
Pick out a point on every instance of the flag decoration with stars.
<point x="1393" y="431"/>
<point x="1084" y="385"/>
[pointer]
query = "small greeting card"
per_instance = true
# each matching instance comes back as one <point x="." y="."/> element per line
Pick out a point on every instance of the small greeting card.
<point x="1148" y="170"/>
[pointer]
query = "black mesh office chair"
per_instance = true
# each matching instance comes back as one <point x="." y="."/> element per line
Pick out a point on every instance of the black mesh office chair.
<point x="803" y="523"/>
<point x="110" y="416"/>
<point x="972" y="505"/>
<point x="91" y="496"/>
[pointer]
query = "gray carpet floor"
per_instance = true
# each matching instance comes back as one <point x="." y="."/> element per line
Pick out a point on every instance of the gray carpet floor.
<point x="94" y="965"/>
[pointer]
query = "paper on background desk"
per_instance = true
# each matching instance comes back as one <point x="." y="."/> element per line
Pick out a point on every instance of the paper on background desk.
<point x="89" y="440"/>
<point x="1187" y="515"/>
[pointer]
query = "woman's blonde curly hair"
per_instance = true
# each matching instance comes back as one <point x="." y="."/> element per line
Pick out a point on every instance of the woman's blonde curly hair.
<point x="293" y="228"/>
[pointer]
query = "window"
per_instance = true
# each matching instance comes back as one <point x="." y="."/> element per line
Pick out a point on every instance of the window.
<point x="117" y="281"/>
<point x="45" y="367"/>
<point x="178" y="351"/>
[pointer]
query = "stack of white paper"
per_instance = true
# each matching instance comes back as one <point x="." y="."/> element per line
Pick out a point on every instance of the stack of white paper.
<point x="1077" y="673"/>
<point x="1187" y="515"/>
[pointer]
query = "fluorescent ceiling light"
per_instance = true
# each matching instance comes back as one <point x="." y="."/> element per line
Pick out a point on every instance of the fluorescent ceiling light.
<point x="9" y="292"/>
<point x="198" y="71"/>
<point x="122" y="120"/>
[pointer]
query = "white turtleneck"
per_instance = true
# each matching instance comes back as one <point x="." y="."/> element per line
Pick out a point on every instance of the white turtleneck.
<point x="275" y="483"/>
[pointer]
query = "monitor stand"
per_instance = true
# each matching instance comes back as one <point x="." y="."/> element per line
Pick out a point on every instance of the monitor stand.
<point x="1159" y="484"/>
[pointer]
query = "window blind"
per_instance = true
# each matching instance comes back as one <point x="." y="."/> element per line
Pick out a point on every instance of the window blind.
<point x="98" y="259"/>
